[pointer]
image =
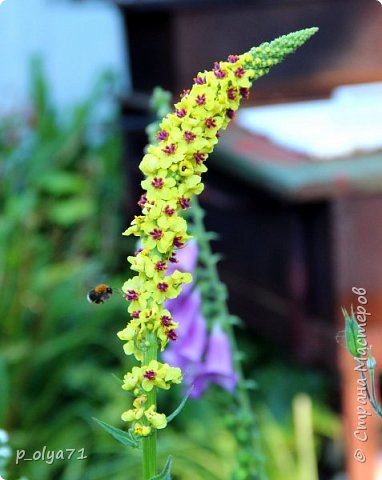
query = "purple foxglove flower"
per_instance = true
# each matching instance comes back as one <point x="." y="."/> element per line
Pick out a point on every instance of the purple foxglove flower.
<point x="218" y="365"/>
<point x="193" y="344"/>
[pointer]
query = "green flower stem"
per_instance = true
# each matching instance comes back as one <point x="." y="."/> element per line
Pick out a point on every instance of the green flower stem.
<point x="150" y="443"/>
<point x="373" y="400"/>
<point x="217" y="297"/>
<point x="218" y="290"/>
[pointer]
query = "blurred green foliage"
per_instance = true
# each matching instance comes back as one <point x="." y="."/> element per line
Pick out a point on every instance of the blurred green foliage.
<point x="59" y="232"/>
<point x="279" y="384"/>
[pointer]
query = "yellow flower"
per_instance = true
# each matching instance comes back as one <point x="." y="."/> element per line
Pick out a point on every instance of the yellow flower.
<point x="136" y="226"/>
<point x="157" y="237"/>
<point x="135" y="293"/>
<point x="132" y="415"/>
<point x="175" y="223"/>
<point x="159" y="375"/>
<point x="135" y="413"/>
<point x="159" y="186"/>
<point x="132" y="379"/>
<point x="157" y="420"/>
<point x="168" y="287"/>
<point x="140" y="401"/>
<point x="127" y="333"/>
<point x="149" y="265"/>
<point x="141" y="430"/>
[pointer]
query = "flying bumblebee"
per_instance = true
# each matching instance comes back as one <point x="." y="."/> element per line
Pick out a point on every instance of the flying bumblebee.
<point x="99" y="294"/>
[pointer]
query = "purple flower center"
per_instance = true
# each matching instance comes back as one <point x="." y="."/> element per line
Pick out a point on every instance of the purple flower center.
<point x="184" y="93"/>
<point x="184" y="203"/>
<point x="172" y="335"/>
<point x="157" y="183"/>
<point x="199" y="157"/>
<point x="219" y="72"/>
<point x="233" y="58"/>
<point x="230" y="113"/>
<point x="166" y="321"/>
<point x="150" y="375"/>
<point x="160" y="266"/>
<point x="156" y="234"/>
<point x="200" y="80"/>
<point x="201" y="99"/>
<point x="135" y="314"/>
<point x="244" y="92"/>
<point x="239" y="72"/>
<point x="231" y="93"/>
<point x="189" y="136"/>
<point x="142" y="201"/>
<point x="162" y="286"/>
<point x="173" y="258"/>
<point x="210" y="122"/>
<point x="169" y="211"/>
<point x="131" y="295"/>
<point x="181" y="113"/>
<point x="169" y="149"/>
<point x="178" y="242"/>
<point x="162" y="135"/>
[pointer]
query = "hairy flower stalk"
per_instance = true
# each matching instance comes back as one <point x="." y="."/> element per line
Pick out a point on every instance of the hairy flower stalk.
<point x="241" y="418"/>
<point x="173" y="168"/>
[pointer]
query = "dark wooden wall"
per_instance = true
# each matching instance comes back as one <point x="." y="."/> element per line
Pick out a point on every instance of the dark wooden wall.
<point x="169" y="41"/>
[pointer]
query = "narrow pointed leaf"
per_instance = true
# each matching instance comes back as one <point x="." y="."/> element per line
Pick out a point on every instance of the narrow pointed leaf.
<point x="117" y="379"/>
<point x="166" y="472"/>
<point x="180" y="406"/>
<point x="123" y="437"/>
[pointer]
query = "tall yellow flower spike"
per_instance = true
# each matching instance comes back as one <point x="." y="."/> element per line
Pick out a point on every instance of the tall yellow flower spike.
<point x="173" y="169"/>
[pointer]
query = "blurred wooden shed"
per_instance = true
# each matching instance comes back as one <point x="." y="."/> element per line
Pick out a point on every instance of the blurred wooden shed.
<point x="292" y="256"/>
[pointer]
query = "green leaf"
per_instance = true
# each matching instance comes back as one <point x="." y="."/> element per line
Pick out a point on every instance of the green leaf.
<point x="61" y="183"/>
<point x="160" y="102"/>
<point x="123" y="437"/>
<point x="66" y="213"/>
<point x="180" y="406"/>
<point x="166" y="472"/>
<point x="117" y="379"/>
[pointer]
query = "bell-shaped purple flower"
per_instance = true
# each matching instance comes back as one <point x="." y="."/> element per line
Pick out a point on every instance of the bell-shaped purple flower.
<point x="193" y="344"/>
<point x="218" y="365"/>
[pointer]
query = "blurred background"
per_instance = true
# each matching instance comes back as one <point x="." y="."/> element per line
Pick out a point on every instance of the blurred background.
<point x="293" y="191"/>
